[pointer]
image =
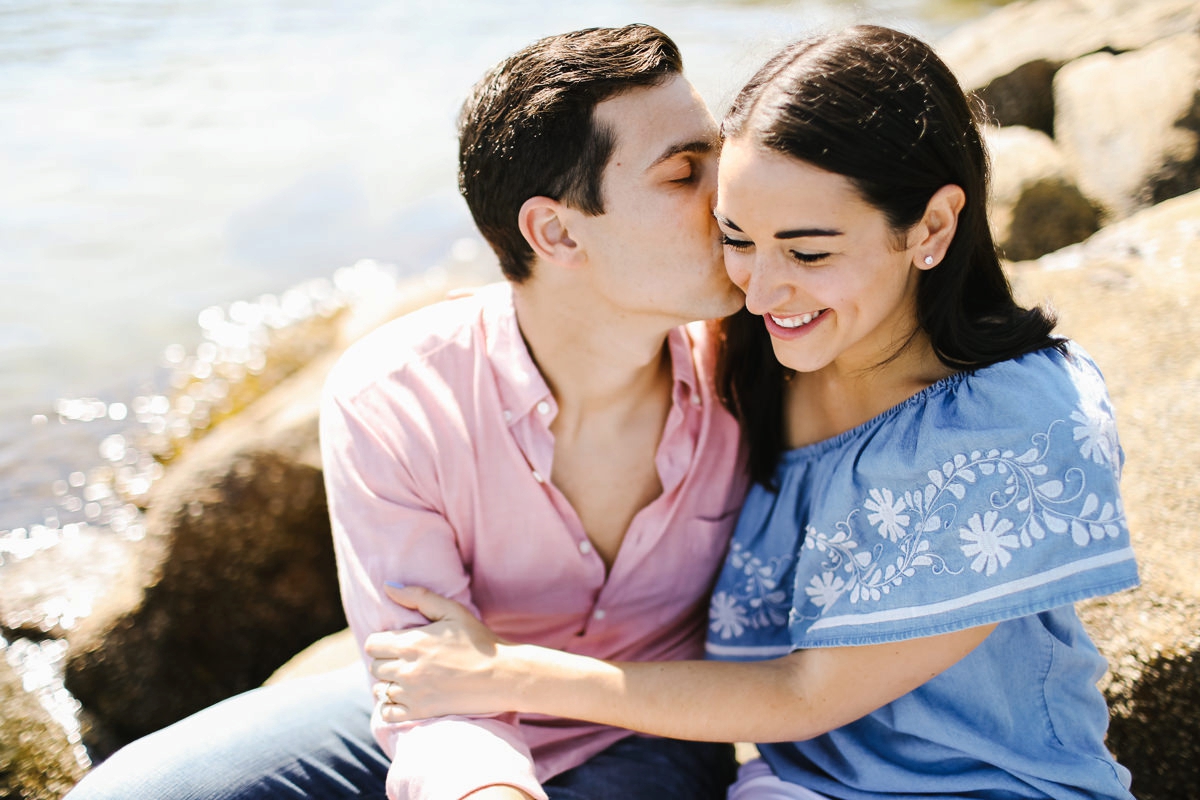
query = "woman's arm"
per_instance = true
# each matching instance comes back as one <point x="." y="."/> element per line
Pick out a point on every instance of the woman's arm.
<point x="456" y="665"/>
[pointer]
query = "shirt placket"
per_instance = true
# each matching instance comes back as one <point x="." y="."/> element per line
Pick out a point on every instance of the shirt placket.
<point x="536" y="443"/>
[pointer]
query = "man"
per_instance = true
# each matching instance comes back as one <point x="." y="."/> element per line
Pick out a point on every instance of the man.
<point x="548" y="450"/>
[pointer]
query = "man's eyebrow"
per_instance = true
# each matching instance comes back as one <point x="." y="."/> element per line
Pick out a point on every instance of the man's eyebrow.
<point x="696" y="146"/>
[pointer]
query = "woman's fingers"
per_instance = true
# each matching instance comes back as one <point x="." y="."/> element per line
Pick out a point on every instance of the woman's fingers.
<point x="390" y="698"/>
<point x="431" y="605"/>
<point x="386" y="644"/>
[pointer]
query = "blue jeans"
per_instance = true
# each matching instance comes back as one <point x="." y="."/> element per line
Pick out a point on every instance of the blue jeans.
<point x="310" y="738"/>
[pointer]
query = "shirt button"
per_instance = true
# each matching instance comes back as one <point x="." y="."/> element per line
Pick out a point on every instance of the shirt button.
<point x="537" y="477"/>
<point x="598" y="613"/>
<point x="507" y="415"/>
<point x="543" y="407"/>
<point x="585" y="547"/>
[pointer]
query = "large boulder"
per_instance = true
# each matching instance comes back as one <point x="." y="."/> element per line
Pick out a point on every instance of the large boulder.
<point x="1035" y="208"/>
<point x="1129" y="125"/>
<point x="1010" y="56"/>
<point x="1128" y="295"/>
<point x="236" y="572"/>
<point x="37" y="761"/>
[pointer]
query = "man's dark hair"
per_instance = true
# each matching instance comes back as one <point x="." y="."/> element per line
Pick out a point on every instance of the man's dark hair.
<point x="528" y="129"/>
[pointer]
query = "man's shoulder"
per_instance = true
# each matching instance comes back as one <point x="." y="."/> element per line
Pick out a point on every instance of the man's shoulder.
<point x="443" y="336"/>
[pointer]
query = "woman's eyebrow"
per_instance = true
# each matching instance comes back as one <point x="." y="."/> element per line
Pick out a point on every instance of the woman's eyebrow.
<point x="801" y="233"/>
<point x="798" y="233"/>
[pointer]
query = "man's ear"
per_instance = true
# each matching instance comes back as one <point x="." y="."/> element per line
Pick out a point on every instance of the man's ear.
<point x="936" y="229"/>
<point x="543" y="223"/>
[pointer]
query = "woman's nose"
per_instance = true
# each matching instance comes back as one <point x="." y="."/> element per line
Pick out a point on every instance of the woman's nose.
<point x="764" y="291"/>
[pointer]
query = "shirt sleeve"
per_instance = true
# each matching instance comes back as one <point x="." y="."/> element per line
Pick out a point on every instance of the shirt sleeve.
<point x="997" y="500"/>
<point x="384" y="530"/>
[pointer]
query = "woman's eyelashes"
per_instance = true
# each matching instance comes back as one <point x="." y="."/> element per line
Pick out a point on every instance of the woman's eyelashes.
<point x="808" y="258"/>
<point x="743" y="245"/>
<point x="735" y="244"/>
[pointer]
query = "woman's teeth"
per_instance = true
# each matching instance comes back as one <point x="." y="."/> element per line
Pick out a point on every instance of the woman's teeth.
<point x="795" y="322"/>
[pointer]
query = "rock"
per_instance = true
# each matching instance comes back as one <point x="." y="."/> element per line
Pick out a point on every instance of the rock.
<point x="37" y="761"/>
<point x="1010" y="55"/>
<point x="1129" y="295"/>
<point x="1023" y="97"/>
<point x="236" y="573"/>
<point x="1129" y="125"/>
<point x="1035" y="208"/>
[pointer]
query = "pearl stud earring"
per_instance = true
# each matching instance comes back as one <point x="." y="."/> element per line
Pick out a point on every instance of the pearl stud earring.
<point x="928" y="260"/>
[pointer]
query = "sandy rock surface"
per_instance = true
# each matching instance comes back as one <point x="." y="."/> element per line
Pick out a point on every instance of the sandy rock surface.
<point x="1130" y="296"/>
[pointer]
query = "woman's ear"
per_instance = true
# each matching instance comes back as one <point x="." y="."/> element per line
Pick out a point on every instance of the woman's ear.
<point x="543" y="223"/>
<point x="936" y="229"/>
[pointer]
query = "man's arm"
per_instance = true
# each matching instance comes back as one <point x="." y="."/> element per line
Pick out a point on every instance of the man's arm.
<point x="383" y="530"/>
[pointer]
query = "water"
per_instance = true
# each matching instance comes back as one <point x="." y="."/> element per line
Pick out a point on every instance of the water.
<point x="159" y="160"/>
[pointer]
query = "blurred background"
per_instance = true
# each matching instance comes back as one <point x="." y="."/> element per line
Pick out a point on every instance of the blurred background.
<point x="163" y="161"/>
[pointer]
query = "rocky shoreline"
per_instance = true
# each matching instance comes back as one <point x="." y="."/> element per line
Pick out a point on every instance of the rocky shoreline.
<point x="1096" y="152"/>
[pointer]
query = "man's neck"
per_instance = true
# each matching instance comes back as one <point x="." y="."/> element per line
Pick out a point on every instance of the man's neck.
<point x="596" y="361"/>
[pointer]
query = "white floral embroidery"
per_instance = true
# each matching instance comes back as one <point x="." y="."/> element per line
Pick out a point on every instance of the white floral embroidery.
<point x="974" y="519"/>
<point x="1026" y="503"/>
<point x="759" y="600"/>
<point x="988" y="537"/>
<point x="727" y="616"/>
<point x="824" y="589"/>
<point x="887" y="514"/>
<point x="1097" y="437"/>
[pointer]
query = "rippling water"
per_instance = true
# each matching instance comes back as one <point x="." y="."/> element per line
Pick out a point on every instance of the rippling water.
<point x="157" y="159"/>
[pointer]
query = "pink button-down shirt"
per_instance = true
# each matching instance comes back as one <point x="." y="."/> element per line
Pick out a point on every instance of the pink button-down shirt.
<point x="437" y="454"/>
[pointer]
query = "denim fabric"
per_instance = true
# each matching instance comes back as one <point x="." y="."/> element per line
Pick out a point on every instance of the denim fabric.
<point x="310" y="738"/>
<point x="990" y="497"/>
<point x="641" y="768"/>
<point x="306" y="738"/>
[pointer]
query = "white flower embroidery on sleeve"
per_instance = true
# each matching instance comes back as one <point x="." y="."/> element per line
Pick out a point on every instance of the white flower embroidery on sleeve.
<point x="1097" y="436"/>
<point x="727" y="618"/>
<point x="825" y="589"/>
<point x="988" y="537"/>
<point x="887" y="514"/>
<point x="1097" y="428"/>
<point x="1026" y="504"/>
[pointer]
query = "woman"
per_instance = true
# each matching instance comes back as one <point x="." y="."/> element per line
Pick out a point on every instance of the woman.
<point x="936" y="478"/>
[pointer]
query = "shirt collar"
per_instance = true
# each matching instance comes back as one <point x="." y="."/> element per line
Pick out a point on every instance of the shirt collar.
<point x="521" y="385"/>
<point x="518" y="380"/>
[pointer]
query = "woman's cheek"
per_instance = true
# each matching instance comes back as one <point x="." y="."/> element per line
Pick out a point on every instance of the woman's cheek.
<point x="737" y="266"/>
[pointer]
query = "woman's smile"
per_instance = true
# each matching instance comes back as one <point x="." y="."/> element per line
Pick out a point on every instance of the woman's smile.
<point x="794" y="325"/>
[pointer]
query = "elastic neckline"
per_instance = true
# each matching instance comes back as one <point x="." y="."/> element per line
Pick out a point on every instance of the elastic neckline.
<point x="816" y="449"/>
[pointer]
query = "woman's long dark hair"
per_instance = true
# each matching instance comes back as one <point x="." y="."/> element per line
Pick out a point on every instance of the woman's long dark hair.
<point x="880" y="108"/>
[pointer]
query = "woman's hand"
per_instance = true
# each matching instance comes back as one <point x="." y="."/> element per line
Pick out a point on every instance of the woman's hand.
<point x="451" y="666"/>
<point x="457" y="666"/>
